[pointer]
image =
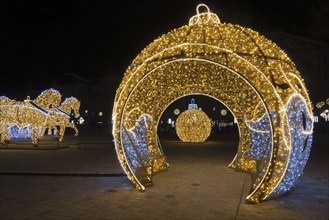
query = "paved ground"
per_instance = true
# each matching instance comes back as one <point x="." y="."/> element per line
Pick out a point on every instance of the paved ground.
<point x="77" y="182"/>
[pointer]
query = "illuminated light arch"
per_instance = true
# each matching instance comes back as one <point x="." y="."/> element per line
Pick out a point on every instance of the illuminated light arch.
<point x="248" y="73"/>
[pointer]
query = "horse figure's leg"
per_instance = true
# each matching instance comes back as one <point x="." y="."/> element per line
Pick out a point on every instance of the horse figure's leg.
<point x="76" y="131"/>
<point x="61" y="133"/>
<point x="5" y="138"/>
<point x="49" y="130"/>
<point x="36" y="136"/>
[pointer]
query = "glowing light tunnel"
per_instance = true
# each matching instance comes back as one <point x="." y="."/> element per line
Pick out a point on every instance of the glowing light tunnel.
<point x="237" y="66"/>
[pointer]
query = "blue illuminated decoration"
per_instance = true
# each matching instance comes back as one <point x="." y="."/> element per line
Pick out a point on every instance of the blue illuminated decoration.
<point x="301" y="125"/>
<point x="20" y="133"/>
<point x="193" y="105"/>
<point x="136" y="143"/>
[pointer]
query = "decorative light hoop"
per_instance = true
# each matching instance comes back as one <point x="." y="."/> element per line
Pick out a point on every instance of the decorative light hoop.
<point x="230" y="70"/>
<point x="202" y="5"/>
<point x="210" y="16"/>
<point x="198" y="12"/>
<point x="203" y="45"/>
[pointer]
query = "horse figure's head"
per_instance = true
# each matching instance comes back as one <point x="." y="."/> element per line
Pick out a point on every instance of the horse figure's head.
<point x="49" y="99"/>
<point x="71" y="105"/>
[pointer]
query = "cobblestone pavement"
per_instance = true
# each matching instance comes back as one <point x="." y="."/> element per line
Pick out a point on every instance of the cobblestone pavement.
<point x="197" y="185"/>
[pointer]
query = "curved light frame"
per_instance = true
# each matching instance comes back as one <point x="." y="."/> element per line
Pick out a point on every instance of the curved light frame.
<point x="257" y="69"/>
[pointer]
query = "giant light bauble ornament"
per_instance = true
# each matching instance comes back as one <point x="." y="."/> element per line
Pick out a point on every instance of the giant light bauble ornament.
<point x="193" y="125"/>
<point x="238" y="67"/>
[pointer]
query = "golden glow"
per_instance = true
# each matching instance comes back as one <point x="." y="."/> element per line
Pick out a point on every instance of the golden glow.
<point x="193" y="125"/>
<point x="223" y="112"/>
<point x="251" y="75"/>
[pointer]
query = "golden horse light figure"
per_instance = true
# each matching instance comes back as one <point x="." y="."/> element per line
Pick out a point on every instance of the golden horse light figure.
<point x="61" y="117"/>
<point x="36" y="115"/>
<point x="26" y="114"/>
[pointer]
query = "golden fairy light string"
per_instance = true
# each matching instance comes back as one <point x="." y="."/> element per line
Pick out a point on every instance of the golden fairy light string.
<point x="46" y="111"/>
<point x="251" y="75"/>
<point x="193" y="125"/>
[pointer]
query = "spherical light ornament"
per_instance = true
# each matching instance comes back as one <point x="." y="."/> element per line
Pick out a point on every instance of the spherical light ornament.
<point x="193" y="125"/>
<point x="223" y="112"/>
<point x="100" y="113"/>
<point x="176" y="111"/>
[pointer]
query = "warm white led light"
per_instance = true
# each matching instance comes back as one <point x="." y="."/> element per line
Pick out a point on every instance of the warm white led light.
<point x="46" y="111"/>
<point x="249" y="74"/>
<point x="193" y="125"/>
<point x="223" y="112"/>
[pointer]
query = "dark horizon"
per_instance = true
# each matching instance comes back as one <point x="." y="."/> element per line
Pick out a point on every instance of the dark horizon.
<point x="43" y="41"/>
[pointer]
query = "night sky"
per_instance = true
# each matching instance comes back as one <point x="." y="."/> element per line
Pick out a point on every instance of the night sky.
<point x="44" y="40"/>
